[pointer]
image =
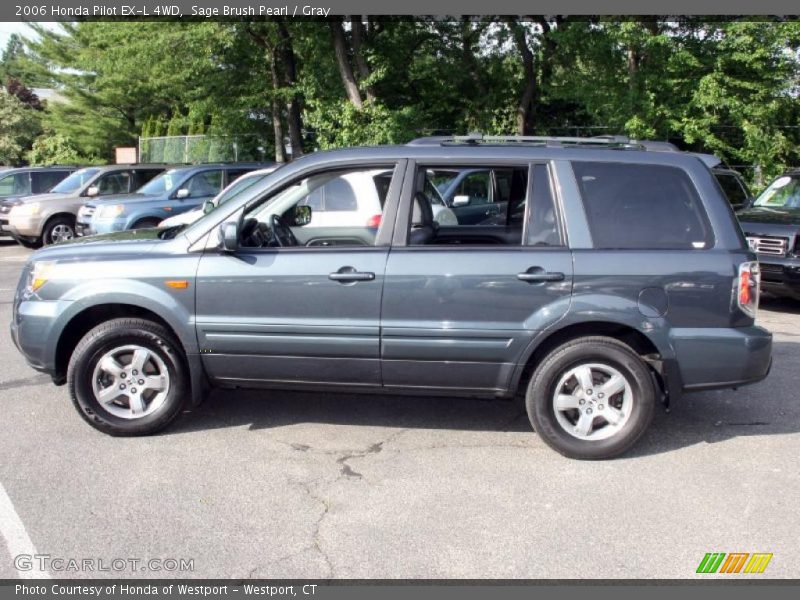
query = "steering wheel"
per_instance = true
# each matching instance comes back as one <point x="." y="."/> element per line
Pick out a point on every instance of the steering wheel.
<point x="282" y="232"/>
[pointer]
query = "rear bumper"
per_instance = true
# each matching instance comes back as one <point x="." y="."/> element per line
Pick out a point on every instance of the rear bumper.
<point x="722" y="358"/>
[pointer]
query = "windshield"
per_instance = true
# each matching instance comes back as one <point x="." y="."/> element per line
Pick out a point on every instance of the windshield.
<point x="163" y="184"/>
<point x="75" y="181"/>
<point x="784" y="192"/>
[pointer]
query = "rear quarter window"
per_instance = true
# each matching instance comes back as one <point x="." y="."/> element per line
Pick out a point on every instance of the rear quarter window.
<point x="636" y="206"/>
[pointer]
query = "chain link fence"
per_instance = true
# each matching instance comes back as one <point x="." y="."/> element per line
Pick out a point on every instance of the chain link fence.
<point x="202" y="149"/>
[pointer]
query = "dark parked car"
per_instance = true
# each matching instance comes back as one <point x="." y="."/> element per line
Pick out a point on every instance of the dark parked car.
<point x="730" y="180"/>
<point x="618" y="278"/>
<point x="26" y="181"/>
<point x="772" y="227"/>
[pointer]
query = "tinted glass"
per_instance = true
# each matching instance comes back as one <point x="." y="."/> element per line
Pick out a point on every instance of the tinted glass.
<point x="44" y="180"/>
<point x="163" y="183"/>
<point x="114" y="183"/>
<point x="207" y="183"/>
<point x="543" y="229"/>
<point x="732" y="188"/>
<point x="642" y="206"/>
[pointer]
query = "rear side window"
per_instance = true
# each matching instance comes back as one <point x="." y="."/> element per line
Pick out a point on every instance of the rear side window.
<point x="733" y="189"/>
<point x="635" y="206"/>
<point x="44" y="180"/>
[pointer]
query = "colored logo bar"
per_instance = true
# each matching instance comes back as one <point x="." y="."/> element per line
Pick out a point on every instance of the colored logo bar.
<point x="734" y="562"/>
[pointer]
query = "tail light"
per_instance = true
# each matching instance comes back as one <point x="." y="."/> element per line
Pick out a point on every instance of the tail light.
<point x="374" y="221"/>
<point x="747" y="288"/>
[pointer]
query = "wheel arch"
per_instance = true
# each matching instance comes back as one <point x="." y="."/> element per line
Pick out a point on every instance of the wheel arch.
<point x="655" y="349"/>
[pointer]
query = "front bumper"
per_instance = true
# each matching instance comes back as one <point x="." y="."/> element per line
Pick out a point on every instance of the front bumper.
<point x="96" y="226"/>
<point x="25" y="226"/>
<point x="780" y="275"/>
<point x="712" y="358"/>
<point x="4" y="230"/>
<point x="35" y="329"/>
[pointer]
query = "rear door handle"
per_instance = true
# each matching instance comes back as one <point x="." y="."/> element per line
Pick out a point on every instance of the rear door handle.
<point x="349" y="274"/>
<point x="539" y="275"/>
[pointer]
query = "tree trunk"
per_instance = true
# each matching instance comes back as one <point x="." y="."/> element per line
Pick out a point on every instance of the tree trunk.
<point x="529" y="76"/>
<point x="277" y="123"/>
<point x="343" y="61"/>
<point x="357" y="28"/>
<point x="294" y="117"/>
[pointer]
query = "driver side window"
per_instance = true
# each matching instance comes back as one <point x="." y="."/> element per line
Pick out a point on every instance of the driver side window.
<point x="331" y="208"/>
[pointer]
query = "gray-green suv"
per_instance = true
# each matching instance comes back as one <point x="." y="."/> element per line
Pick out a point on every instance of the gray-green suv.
<point x="608" y="279"/>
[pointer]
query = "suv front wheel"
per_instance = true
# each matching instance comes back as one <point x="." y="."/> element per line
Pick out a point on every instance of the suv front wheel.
<point x="591" y="398"/>
<point x="128" y="377"/>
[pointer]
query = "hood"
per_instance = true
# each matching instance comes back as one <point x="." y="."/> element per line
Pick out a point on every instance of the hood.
<point x="770" y="215"/>
<point x="41" y="198"/>
<point x="120" y="198"/>
<point x="132" y="242"/>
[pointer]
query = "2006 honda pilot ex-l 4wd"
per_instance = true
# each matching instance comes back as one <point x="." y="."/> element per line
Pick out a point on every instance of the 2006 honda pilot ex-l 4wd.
<point x="599" y="280"/>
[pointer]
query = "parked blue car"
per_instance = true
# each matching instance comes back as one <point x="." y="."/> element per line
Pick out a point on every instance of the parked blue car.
<point x="173" y="192"/>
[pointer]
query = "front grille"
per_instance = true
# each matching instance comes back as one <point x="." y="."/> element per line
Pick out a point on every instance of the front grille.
<point x="774" y="246"/>
<point x="768" y="268"/>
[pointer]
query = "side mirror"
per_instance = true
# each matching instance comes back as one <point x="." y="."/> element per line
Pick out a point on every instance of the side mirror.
<point x="208" y="206"/>
<point x="302" y="215"/>
<point x="92" y="191"/>
<point x="182" y="193"/>
<point x="229" y="236"/>
<point x="460" y="200"/>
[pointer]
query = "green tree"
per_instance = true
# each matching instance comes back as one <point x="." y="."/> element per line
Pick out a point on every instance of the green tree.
<point x="19" y="126"/>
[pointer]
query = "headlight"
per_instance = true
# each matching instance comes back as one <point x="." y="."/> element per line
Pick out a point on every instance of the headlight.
<point x="28" y="209"/>
<point x="39" y="275"/>
<point x="110" y="211"/>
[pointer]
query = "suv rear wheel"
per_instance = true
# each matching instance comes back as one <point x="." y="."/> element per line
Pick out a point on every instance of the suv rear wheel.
<point x="128" y="377"/>
<point x="591" y="398"/>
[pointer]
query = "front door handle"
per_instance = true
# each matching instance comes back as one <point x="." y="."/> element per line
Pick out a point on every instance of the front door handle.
<point x="539" y="275"/>
<point x="349" y="274"/>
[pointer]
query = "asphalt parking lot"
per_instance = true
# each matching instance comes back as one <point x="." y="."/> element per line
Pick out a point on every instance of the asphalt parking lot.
<point x="276" y="484"/>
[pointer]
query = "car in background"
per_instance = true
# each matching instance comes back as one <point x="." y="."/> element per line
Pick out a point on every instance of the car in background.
<point x="50" y="218"/>
<point x="26" y="181"/>
<point x="175" y="191"/>
<point x="772" y="228"/>
<point x="233" y="190"/>
<point x="731" y="181"/>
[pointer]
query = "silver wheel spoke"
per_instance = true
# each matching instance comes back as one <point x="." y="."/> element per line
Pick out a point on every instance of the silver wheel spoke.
<point x="110" y="365"/>
<point x="613" y="386"/>
<point x="157" y="383"/>
<point x="109" y="394"/>
<point x="139" y="359"/>
<point x="566" y="402"/>
<point x="137" y="404"/>
<point x="584" y="377"/>
<point x="613" y="415"/>
<point x="584" y="425"/>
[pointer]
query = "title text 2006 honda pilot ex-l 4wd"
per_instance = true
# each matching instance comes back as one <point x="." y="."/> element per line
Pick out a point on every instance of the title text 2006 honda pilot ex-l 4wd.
<point x="611" y="279"/>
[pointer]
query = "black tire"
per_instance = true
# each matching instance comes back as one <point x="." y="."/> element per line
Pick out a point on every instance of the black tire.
<point x="608" y="352"/>
<point x="33" y="244"/>
<point x="146" y="224"/>
<point x="57" y="229"/>
<point x="115" y="334"/>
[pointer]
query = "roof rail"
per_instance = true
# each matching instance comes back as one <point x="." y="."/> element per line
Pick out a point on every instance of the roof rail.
<point x="478" y="139"/>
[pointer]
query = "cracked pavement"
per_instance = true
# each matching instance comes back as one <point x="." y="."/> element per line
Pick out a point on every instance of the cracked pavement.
<point x="281" y="485"/>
